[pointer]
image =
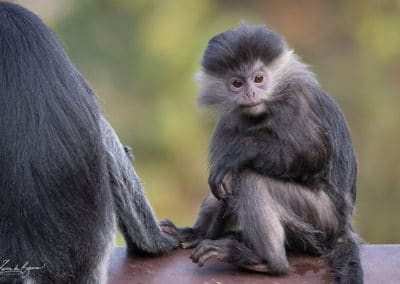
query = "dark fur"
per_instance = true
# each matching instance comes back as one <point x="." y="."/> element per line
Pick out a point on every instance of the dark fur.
<point x="65" y="178"/>
<point x="288" y="175"/>
<point x="229" y="50"/>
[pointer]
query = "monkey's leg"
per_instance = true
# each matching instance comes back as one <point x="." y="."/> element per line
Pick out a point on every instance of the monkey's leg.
<point x="135" y="215"/>
<point x="209" y="224"/>
<point x="259" y="217"/>
<point x="263" y="246"/>
<point x="345" y="259"/>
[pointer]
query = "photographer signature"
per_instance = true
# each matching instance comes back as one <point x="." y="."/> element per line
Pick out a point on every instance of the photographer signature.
<point x="24" y="270"/>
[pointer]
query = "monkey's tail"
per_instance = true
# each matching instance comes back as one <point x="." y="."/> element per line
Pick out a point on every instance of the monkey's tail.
<point x="344" y="259"/>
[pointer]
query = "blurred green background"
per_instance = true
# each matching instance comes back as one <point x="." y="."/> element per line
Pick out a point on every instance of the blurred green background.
<point x="140" y="57"/>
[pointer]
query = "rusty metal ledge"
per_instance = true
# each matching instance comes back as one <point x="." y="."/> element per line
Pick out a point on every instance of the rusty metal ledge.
<point x="381" y="265"/>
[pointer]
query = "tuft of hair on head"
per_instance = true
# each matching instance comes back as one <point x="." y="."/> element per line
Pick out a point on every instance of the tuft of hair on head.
<point x="230" y="51"/>
<point x="238" y="47"/>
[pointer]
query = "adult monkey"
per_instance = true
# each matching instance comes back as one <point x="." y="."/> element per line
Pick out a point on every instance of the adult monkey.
<point x="65" y="179"/>
<point x="282" y="161"/>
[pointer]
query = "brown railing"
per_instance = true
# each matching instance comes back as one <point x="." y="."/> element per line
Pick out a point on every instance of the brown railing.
<point x="381" y="265"/>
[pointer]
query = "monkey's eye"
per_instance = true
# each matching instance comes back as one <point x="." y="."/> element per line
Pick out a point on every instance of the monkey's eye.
<point x="258" y="78"/>
<point x="237" y="83"/>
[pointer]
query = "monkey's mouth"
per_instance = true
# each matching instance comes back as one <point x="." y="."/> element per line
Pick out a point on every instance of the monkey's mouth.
<point x="254" y="109"/>
<point x="250" y="105"/>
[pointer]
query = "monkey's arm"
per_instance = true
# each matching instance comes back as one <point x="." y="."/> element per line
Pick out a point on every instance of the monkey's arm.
<point x="294" y="152"/>
<point x="292" y="157"/>
<point x="135" y="216"/>
<point x="296" y="145"/>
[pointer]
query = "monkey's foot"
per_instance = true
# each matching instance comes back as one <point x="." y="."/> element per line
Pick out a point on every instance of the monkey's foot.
<point x="228" y="250"/>
<point x="188" y="237"/>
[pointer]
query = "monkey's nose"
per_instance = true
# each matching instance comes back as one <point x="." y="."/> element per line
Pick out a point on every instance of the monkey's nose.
<point x="250" y="95"/>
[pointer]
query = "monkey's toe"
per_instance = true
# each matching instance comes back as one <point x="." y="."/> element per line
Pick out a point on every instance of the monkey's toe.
<point x="210" y="255"/>
<point x="209" y="249"/>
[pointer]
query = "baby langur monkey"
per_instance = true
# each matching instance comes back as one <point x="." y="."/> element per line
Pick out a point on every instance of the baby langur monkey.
<point x="283" y="168"/>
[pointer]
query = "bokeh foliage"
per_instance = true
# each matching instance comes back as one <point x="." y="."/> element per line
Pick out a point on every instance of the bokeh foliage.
<point x="141" y="56"/>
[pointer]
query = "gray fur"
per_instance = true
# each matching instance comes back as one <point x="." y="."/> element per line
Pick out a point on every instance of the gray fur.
<point x="65" y="178"/>
<point x="261" y="225"/>
<point x="289" y="157"/>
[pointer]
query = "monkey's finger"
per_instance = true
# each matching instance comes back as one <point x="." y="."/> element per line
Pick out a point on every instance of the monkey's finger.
<point x="217" y="188"/>
<point x="215" y="191"/>
<point x="170" y="231"/>
<point x="227" y="183"/>
<point x="221" y="174"/>
<point x="217" y="175"/>
<point x="166" y="222"/>
<point x="214" y="185"/>
<point x="190" y="244"/>
<point x="201" y="249"/>
<point x="169" y="228"/>
<point x="219" y="191"/>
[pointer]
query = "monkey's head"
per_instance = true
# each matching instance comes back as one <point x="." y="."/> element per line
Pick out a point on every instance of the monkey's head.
<point x="238" y="69"/>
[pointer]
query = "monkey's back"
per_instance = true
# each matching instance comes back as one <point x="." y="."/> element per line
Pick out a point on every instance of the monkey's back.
<point x="53" y="177"/>
<point x="342" y="169"/>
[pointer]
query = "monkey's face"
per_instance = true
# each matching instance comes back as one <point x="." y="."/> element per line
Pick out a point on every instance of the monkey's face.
<point x="236" y="70"/>
<point x="248" y="89"/>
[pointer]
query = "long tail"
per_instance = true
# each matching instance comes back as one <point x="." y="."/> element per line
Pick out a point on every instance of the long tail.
<point x="345" y="260"/>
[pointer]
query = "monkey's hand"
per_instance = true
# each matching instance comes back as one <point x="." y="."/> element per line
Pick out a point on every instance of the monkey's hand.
<point x="220" y="182"/>
<point x="187" y="237"/>
<point x="169" y="243"/>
